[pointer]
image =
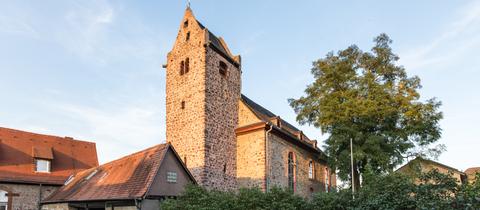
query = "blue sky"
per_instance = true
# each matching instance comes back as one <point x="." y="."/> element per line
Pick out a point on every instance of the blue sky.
<point x="92" y="69"/>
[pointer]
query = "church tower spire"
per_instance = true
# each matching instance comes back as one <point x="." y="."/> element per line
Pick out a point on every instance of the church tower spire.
<point x="203" y="91"/>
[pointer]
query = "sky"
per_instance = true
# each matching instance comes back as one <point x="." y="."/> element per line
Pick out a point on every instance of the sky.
<point x="91" y="70"/>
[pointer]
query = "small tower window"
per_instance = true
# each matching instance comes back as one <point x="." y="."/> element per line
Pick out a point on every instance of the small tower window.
<point x="188" y="36"/>
<point x="224" y="168"/>
<point x="187" y="65"/>
<point x="185" y="24"/>
<point x="182" y="68"/>
<point x="222" y="68"/>
<point x="183" y="104"/>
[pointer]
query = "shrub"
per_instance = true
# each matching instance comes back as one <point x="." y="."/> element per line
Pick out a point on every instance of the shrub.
<point x="387" y="191"/>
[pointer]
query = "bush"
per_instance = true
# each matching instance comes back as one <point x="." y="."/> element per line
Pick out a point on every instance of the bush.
<point x="196" y="197"/>
<point x="389" y="191"/>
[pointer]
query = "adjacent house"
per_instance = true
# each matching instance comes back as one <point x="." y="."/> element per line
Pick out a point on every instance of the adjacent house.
<point x="423" y="165"/>
<point x="33" y="166"/>
<point x="137" y="181"/>
<point x="471" y="174"/>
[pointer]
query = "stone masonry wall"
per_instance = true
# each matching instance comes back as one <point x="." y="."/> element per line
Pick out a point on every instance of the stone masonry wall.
<point x="278" y="173"/>
<point x="222" y="98"/>
<point x="186" y="127"/>
<point x="251" y="159"/>
<point x="246" y="116"/>
<point x="57" y="206"/>
<point x="29" y="195"/>
<point x="203" y="132"/>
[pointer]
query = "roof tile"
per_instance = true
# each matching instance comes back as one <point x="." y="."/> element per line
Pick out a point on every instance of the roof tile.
<point x="126" y="178"/>
<point x="19" y="148"/>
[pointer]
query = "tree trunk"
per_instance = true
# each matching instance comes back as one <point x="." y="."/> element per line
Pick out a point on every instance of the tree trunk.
<point x="356" y="178"/>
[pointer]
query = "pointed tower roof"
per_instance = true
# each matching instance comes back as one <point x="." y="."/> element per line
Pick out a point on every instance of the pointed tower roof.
<point x="217" y="43"/>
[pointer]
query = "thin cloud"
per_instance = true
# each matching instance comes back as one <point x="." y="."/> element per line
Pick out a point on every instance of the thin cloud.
<point x="117" y="131"/>
<point x="460" y="36"/>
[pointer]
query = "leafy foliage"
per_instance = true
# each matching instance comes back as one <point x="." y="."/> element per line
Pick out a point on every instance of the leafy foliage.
<point x="389" y="191"/>
<point x="198" y="198"/>
<point x="368" y="98"/>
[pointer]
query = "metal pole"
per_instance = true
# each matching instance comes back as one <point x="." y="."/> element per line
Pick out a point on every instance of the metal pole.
<point x="351" y="160"/>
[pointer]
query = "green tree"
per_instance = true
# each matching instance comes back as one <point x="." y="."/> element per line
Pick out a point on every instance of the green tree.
<point x="369" y="99"/>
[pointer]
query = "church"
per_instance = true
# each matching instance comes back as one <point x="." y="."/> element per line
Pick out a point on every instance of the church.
<point x="226" y="140"/>
<point x="217" y="138"/>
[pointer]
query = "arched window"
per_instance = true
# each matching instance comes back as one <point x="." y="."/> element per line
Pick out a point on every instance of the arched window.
<point x="182" y="68"/>
<point x="222" y="68"/>
<point x="291" y="171"/>
<point x="311" y="169"/>
<point x="187" y="65"/>
<point x="327" y="181"/>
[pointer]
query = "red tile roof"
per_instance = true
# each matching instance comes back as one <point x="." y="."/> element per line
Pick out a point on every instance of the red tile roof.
<point x="18" y="150"/>
<point x="472" y="171"/>
<point x="129" y="177"/>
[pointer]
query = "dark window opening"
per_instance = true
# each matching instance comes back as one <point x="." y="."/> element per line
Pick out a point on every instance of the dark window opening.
<point x="224" y="168"/>
<point x="222" y="68"/>
<point x="291" y="171"/>
<point x="188" y="36"/>
<point x="183" y="104"/>
<point x="187" y="65"/>
<point x="182" y="68"/>
<point x="185" y="24"/>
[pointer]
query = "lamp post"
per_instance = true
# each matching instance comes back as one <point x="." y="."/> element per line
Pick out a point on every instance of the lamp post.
<point x="351" y="160"/>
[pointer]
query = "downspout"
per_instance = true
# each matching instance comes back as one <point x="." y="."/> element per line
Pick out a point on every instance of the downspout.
<point x="40" y="197"/>
<point x="138" y="203"/>
<point x="267" y="168"/>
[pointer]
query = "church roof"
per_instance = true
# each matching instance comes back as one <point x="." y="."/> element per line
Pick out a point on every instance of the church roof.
<point x="268" y="117"/>
<point x="218" y="44"/>
<point x="215" y="41"/>
<point x="18" y="150"/>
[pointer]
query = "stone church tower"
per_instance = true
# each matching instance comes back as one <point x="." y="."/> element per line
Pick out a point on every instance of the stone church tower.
<point x="203" y="93"/>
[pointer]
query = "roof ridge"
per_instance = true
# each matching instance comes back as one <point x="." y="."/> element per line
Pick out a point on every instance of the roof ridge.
<point x="438" y="163"/>
<point x="158" y="146"/>
<point x="67" y="138"/>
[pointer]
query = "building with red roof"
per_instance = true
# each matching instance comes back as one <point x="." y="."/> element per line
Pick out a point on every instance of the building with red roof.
<point x="136" y="181"/>
<point x="471" y="174"/>
<point x="32" y="166"/>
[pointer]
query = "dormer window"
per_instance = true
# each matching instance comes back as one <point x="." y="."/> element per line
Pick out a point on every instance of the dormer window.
<point x="188" y="36"/>
<point x="42" y="165"/>
<point x="222" y="68"/>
